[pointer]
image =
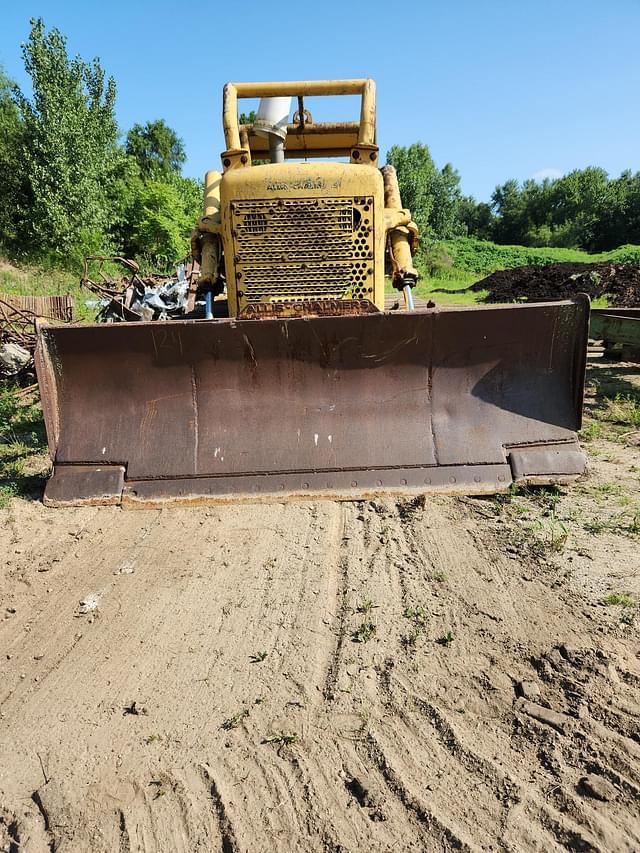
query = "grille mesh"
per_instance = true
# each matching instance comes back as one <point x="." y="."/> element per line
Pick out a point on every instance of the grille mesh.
<point x="292" y="249"/>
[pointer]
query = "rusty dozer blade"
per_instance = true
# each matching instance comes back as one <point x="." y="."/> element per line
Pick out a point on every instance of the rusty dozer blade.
<point x="463" y="400"/>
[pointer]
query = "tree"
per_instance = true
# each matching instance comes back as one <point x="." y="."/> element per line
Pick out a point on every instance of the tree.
<point x="476" y="217"/>
<point x="432" y="195"/>
<point x="158" y="226"/>
<point x="157" y="149"/>
<point x="12" y="189"/>
<point x="69" y="146"/>
<point x="511" y="222"/>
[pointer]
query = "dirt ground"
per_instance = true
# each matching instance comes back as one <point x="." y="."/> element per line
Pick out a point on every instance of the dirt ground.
<point x="326" y="676"/>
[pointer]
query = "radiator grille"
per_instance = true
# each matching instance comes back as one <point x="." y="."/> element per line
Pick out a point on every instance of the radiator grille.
<point x="293" y="249"/>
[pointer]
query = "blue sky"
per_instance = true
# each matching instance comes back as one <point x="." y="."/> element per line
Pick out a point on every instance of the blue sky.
<point x="500" y="89"/>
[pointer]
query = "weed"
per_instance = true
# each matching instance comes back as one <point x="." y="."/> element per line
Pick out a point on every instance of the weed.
<point x="624" y="599"/>
<point x="546" y="496"/>
<point x="621" y="523"/>
<point x="504" y="499"/>
<point x="623" y="409"/>
<point x="604" y="490"/>
<point x="552" y="534"/>
<point x="364" y="632"/>
<point x="591" y="432"/>
<point x="236" y="720"/>
<point x="417" y="615"/>
<point x="410" y="641"/>
<point x="439" y="576"/>
<point x="21" y="436"/>
<point x="446" y="639"/>
<point x="281" y="738"/>
<point x="7" y="491"/>
<point x="366" y="606"/>
<point x="634" y="525"/>
<point x="408" y="508"/>
<point x="258" y="657"/>
<point x="597" y="525"/>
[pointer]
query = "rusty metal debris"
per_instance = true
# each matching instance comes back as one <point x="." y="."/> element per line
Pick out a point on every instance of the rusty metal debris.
<point x="135" y="296"/>
<point x="18" y="316"/>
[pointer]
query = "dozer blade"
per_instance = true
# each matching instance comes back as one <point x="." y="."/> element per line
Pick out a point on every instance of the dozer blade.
<point x="456" y="400"/>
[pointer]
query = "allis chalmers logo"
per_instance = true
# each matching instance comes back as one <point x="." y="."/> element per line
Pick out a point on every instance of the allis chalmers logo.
<point x="304" y="184"/>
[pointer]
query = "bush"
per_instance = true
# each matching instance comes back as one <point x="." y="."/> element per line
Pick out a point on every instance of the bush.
<point x="483" y="257"/>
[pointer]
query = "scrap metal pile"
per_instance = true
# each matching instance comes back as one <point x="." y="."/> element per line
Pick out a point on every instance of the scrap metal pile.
<point x="18" y="316"/>
<point x="139" y="297"/>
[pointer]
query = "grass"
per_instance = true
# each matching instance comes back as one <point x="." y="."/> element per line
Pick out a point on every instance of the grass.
<point x="623" y="599"/>
<point x="622" y="410"/>
<point x="410" y="640"/>
<point x="22" y="436"/>
<point x="598" y="525"/>
<point x="592" y="431"/>
<point x="34" y="281"/>
<point x="484" y="257"/>
<point x="446" y="639"/>
<point x="281" y="738"/>
<point x="364" y="632"/>
<point x="613" y="418"/>
<point x="233" y="722"/>
<point x="448" y="268"/>
<point x="416" y="615"/>
<point x="602" y="491"/>
<point x="545" y="498"/>
<point x="551" y="532"/>
<point x="624" y="522"/>
<point x="366" y="606"/>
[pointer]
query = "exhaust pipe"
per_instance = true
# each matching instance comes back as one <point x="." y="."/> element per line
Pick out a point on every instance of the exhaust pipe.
<point x="271" y="122"/>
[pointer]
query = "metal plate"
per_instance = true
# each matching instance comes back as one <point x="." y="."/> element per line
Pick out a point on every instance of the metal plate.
<point x="354" y="395"/>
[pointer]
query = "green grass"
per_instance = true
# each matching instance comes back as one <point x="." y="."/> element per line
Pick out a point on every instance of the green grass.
<point x="446" y="639"/>
<point x="623" y="410"/>
<point x="450" y="267"/>
<point x="281" y="739"/>
<point x="32" y="281"/>
<point x="22" y="436"/>
<point x="366" y="606"/>
<point x="364" y="632"/>
<point x="613" y="418"/>
<point x="235" y="721"/>
<point x="483" y="257"/>
<point x="624" y="599"/>
<point x="417" y="615"/>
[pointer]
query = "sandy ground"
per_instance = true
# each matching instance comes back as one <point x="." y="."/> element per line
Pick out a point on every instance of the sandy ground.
<point x="324" y="676"/>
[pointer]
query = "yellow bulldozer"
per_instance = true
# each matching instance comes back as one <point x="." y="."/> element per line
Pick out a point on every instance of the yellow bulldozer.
<point x="308" y="387"/>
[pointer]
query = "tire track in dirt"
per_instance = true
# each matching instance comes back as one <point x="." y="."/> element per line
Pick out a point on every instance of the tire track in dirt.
<point x="397" y="743"/>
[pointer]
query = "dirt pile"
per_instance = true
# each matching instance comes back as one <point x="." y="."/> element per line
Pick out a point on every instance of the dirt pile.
<point x="619" y="282"/>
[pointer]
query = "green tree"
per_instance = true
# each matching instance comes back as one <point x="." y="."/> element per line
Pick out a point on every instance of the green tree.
<point x="432" y="195"/>
<point x="157" y="149"/>
<point x="12" y="187"/>
<point x="157" y="225"/>
<point x="69" y="147"/>
<point x="512" y="222"/>
<point x="476" y="217"/>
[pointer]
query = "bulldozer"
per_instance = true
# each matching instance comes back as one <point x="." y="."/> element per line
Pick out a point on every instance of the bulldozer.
<point x="297" y="383"/>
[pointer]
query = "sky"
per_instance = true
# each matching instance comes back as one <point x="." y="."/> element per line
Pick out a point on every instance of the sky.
<point x="499" y="88"/>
